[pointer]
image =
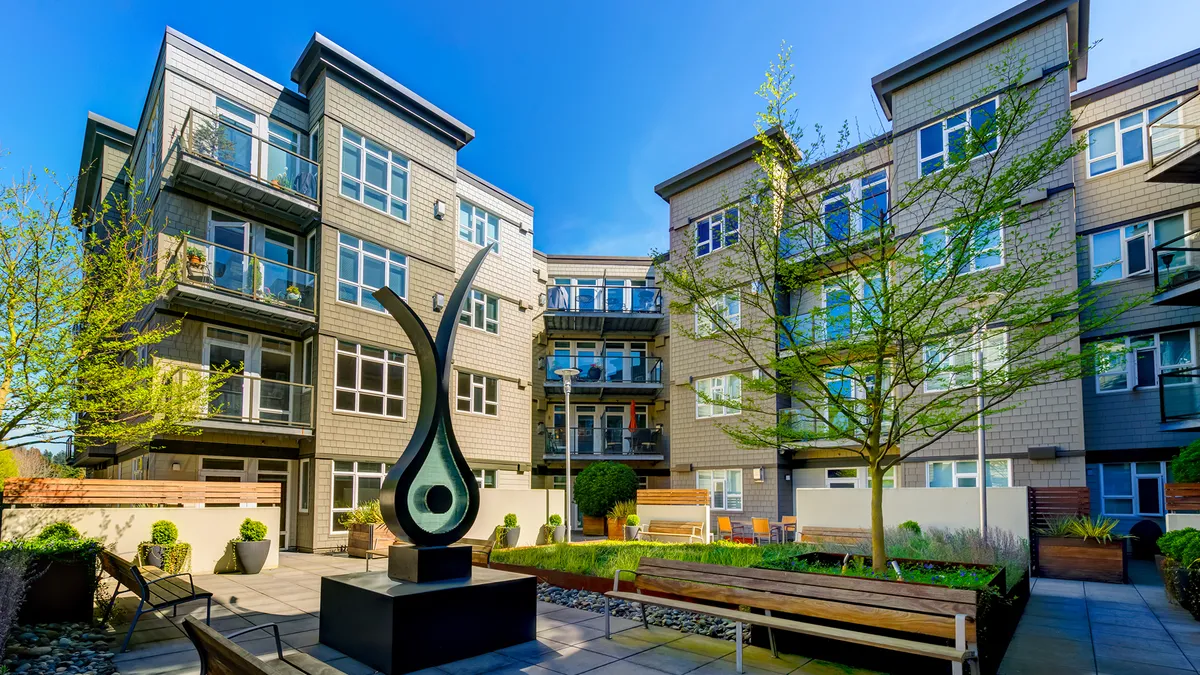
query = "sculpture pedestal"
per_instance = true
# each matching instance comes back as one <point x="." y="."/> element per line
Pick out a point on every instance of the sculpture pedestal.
<point x="399" y="627"/>
<point x="424" y="564"/>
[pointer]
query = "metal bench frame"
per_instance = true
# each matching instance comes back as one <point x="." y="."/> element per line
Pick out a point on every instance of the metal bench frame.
<point x="143" y="593"/>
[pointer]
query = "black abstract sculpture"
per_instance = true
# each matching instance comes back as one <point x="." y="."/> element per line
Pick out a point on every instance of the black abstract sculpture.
<point x="430" y="496"/>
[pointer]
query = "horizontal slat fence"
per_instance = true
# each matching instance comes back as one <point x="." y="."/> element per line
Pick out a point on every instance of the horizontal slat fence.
<point x="87" y="492"/>
<point x="672" y="497"/>
<point x="1183" y="496"/>
<point x="1047" y="503"/>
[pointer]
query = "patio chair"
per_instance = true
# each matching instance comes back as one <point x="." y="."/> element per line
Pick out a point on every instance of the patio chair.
<point x="789" y="525"/>
<point x="729" y="530"/>
<point x="762" y="530"/>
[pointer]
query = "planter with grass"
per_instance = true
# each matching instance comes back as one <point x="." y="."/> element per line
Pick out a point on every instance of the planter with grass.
<point x="367" y="531"/>
<point x="598" y="488"/>
<point x="253" y="547"/>
<point x="555" y="530"/>
<point x="632" y="525"/>
<point x="617" y="517"/>
<point x="61" y="573"/>
<point x="164" y="550"/>
<point x="1082" y="549"/>
<point x="512" y="531"/>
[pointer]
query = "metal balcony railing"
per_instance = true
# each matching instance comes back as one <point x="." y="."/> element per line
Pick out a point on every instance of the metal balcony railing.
<point x="234" y="147"/>
<point x="1179" y="394"/>
<point x="599" y="298"/>
<point x="1175" y="130"/>
<point x="211" y="265"/>
<point x="590" y="441"/>
<point x="258" y="400"/>
<point x="606" y="368"/>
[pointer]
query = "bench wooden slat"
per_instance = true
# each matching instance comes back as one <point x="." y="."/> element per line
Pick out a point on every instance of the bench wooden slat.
<point x="225" y="657"/>
<point x="840" y="634"/>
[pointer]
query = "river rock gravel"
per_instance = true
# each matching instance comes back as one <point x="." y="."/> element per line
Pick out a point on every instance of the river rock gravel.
<point x="59" y="648"/>
<point x="658" y="616"/>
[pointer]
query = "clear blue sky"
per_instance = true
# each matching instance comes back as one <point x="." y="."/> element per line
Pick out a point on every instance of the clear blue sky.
<point x="579" y="108"/>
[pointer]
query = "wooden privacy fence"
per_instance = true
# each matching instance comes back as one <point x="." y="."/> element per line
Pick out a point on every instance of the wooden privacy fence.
<point x="1047" y="503"/>
<point x="672" y="497"/>
<point x="1183" y="496"/>
<point x="88" y="492"/>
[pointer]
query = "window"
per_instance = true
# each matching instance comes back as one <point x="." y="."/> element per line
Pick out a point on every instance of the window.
<point x="1151" y="356"/>
<point x="481" y="311"/>
<point x="944" y="248"/>
<point x="150" y="148"/>
<point x="716" y="231"/>
<point x="727" y="305"/>
<point x="1132" y="489"/>
<point x="354" y="484"/>
<point x="1126" y="251"/>
<point x="1122" y="142"/>
<point x="369" y="380"/>
<point x="721" y="387"/>
<point x="966" y="474"/>
<point x="953" y="371"/>
<point x="364" y="267"/>
<point x="478" y="394"/>
<point x="305" y="485"/>
<point x="478" y="226"/>
<point x="857" y="477"/>
<point x="870" y="197"/>
<point x="944" y="142"/>
<point x="374" y="175"/>
<point x="724" y="488"/>
<point x="485" y="478"/>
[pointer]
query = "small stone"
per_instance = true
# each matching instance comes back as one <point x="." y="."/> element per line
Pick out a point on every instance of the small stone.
<point x="39" y="651"/>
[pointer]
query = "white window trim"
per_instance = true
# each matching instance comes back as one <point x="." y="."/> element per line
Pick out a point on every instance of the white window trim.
<point x="1134" y="496"/>
<point x="705" y="327"/>
<point x="857" y="288"/>
<point x="304" y="489"/>
<point x="974" y="268"/>
<point x="358" y="390"/>
<point x="1131" y="363"/>
<point x="976" y="369"/>
<point x="481" y="478"/>
<point x="726" y="384"/>
<point x="741" y="495"/>
<point x="954" y="474"/>
<point x="479" y="219"/>
<point x="363" y="288"/>
<point x="1118" y="149"/>
<point x="394" y="159"/>
<point x="470" y="397"/>
<point x="468" y="311"/>
<point x="724" y="213"/>
<point x="355" y="474"/>
<point x="862" y="476"/>
<point x="853" y="195"/>
<point x="1151" y="238"/>
<point x="945" y="153"/>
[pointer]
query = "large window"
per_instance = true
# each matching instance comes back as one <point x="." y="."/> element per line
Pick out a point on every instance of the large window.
<point x="1132" y="489"/>
<point x="724" y="488"/>
<point x="150" y="147"/>
<point x="1122" y="142"/>
<point x="478" y="226"/>
<point x="721" y="387"/>
<point x="305" y="485"/>
<point x="727" y="305"/>
<point x="364" y="267"/>
<point x="1136" y="362"/>
<point x="856" y="207"/>
<point x="959" y="369"/>
<point x="944" y="248"/>
<point x="374" y="175"/>
<point x="369" y="380"/>
<point x="478" y="394"/>
<point x="966" y="473"/>
<point x="717" y="231"/>
<point x="1127" y="251"/>
<point x="857" y="477"/>
<point x="481" y="311"/>
<point x="354" y="484"/>
<point x="945" y="142"/>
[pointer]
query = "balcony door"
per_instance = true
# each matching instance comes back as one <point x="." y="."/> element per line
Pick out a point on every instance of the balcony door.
<point x="260" y="388"/>
<point x="230" y="237"/>
<point x="275" y="367"/>
<point x="585" y="435"/>
<point x="230" y="351"/>
<point x="616" y="434"/>
<point x="238" y="126"/>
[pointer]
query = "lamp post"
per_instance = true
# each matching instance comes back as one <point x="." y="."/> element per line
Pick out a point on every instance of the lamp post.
<point x="981" y="434"/>
<point x="567" y="374"/>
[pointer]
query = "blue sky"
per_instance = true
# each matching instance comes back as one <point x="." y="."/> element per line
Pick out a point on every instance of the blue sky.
<point x="579" y="108"/>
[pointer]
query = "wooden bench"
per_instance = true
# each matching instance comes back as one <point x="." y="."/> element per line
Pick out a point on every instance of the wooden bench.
<point x="672" y="529"/>
<point x="154" y="588"/>
<point x="219" y="655"/>
<point x="481" y="550"/>
<point x="929" y="611"/>
<point x="845" y="536"/>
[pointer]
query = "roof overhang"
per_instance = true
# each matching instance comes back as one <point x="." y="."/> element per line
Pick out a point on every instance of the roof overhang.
<point x="98" y="130"/>
<point x="738" y="154"/>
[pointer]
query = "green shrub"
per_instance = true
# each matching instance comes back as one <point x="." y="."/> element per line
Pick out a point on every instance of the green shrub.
<point x="253" y="530"/>
<point x="177" y="557"/>
<point x="601" y="485"/>
<point x="510" y="520"/>
<point x="555" y="520"/>
<point x="163" y="533"/>
<point x="367" y="513"/>
<point x="632" y="520"/>
<point x="1182" y="546"/>
<point x="911" y="526"/>
<point x="622" y="510"/>
<point x="1185" y="468"/>
<point x="59" y="530"/>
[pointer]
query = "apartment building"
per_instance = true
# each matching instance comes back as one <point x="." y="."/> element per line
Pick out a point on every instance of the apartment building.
<point x="604" y="317"/>
<point x="1129" y="198"/>
<point x="281" y="210"/>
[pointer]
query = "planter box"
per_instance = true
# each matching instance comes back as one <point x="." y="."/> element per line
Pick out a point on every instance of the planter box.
<point x="1079" y="560"/>
<point x="593" y="526"/>
<point x="368" y="537"/>
<point x="64" y="592"/>
<point x="616" y="529"/>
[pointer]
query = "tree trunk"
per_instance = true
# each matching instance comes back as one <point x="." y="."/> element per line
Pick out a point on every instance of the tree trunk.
<point x="878" y="548"/>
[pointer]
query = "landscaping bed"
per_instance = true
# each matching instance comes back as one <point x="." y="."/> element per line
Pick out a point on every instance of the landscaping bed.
<point x="65" y="648"/>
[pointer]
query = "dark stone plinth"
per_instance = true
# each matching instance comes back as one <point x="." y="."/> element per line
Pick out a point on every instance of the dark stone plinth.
<point x="423" y="564"/>
<point x="398" y="627"/>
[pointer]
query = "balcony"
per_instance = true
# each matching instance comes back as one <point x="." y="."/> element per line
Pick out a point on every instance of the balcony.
<point x="604" y="444"/>
<point x="596" y="309"/>
<point x="1175" y="144"/>
<point x="812" y="433"/>
<point x="602" y="374"/>
<point x="257" y="405"/>
<point x="1179" y="399"/>
<point x="1176" y="272"/>
<point x="212" y="276"/>
<point x="89" y="457"/>
<point x="224" y="158"/>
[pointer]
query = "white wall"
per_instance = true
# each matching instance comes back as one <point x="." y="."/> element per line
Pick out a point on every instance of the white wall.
<point x="1182" y="521"/>
<point x="952" y="508"/>
<point x="533" y="509"/>
<point x="683" y="514"/>
<point x="208" y="530"/>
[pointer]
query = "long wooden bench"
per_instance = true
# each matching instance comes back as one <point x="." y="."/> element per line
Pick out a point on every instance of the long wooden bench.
<point x="672" y="529"/>
<point x="154" y="588"/>
<point x="927" y="611"/>
<point x="845" y="536"/>
<point x="220" y="655"/>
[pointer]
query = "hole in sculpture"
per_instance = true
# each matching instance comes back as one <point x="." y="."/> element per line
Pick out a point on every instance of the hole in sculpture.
<point x="438" y="498"/>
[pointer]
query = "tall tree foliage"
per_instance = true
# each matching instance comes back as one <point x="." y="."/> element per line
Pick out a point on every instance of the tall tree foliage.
<point x="894" y="320"/>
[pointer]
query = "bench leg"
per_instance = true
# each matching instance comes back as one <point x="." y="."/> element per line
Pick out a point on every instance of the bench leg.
<point x="607" y="611"/>
<point x="960" y="641"/>
<point x="208" y="612"/>
<point x="645" y="621"/>
<point x="771" y="636"/>
<point x="112" y="603"/>
<point x="738" y="638"/>
<point x="136" y="616"/>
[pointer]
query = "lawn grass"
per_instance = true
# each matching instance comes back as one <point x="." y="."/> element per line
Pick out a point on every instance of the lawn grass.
<point x="602" y="559"/>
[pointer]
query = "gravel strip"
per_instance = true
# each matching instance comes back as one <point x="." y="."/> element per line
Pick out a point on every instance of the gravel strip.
<point x="687" y="622"/>
<point x="67" y="648"/>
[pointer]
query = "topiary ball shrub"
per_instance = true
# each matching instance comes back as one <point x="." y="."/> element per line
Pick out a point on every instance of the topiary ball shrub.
<point x="601" y="485"/>
<point x="510" y="520"/>
<point x="1185" y="468"/>
<point x="163" y="533"/>
<point x="555" y="520"/>
<point x="632" y="520"/>
<point x="253" y="530"/>
<point x="911" y="526"/>
<point x="60" y="530"/>
<point x="1182" y="546"/>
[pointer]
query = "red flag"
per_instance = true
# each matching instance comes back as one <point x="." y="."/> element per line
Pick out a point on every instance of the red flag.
<point x="632" y="416"/>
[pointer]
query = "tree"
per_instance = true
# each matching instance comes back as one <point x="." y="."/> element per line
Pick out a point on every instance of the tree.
<point x="76" y="343"/>
<point x="893" y="317"/>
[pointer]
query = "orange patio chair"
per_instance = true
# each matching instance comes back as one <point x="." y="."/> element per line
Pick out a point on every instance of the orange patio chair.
<point x="762" y="530"/>
<point x="729" y="530"/>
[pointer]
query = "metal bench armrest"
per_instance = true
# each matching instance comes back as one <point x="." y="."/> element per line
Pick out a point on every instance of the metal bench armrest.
<point x="617" y="578"/>
<point x="191" y="581"/>
<point x="274" y="629"/>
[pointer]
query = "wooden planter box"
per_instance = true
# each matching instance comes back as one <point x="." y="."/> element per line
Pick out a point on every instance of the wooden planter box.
<point x="1080" y="560"/>
<point x="367" y="537"/>
<point x="616" y="529"/>
<point x="593" y="526"/>
<point x="63" y="593"/>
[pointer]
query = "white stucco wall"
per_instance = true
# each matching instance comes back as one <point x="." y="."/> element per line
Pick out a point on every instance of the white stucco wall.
<point x="952" y="508"/>
<point x="533" y="509"/>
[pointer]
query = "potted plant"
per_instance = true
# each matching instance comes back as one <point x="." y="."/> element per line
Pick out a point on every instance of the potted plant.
<point x="164" y="551"/>
<point x="367" y="530"/>
<point x="195" y="256"/>
<point x="253" y="547"/>
<point x="292" y="293"/>
<point x="617" y="516"/>
<point x="512" y="531"/>
<point x="557" y="531"/>
<point x="598" y="488"/>
<point x="632" y="521"/>
<point x="1083" y="549"/>
<point x="60" y="577"/>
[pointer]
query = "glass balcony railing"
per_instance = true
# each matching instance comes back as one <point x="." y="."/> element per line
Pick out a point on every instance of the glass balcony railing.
<point x="233" y="146"/>
<point x="211" y="265"/>
<point x="258" y="400"/>
<point x="1175" y="130"/>
<point x="1179" y="394"/>
<point x="590" y="441"/>
<point x="598" y="298"/>
<point x="606" y="368"/>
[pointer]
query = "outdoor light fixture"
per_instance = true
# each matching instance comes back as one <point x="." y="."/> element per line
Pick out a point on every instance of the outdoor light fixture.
<point x="175" y="466"/>
<point x="759" y="474"/>
<point x="567" y="374"/>
<point x="439" y="302"/>
<point x="439" y="209"/>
